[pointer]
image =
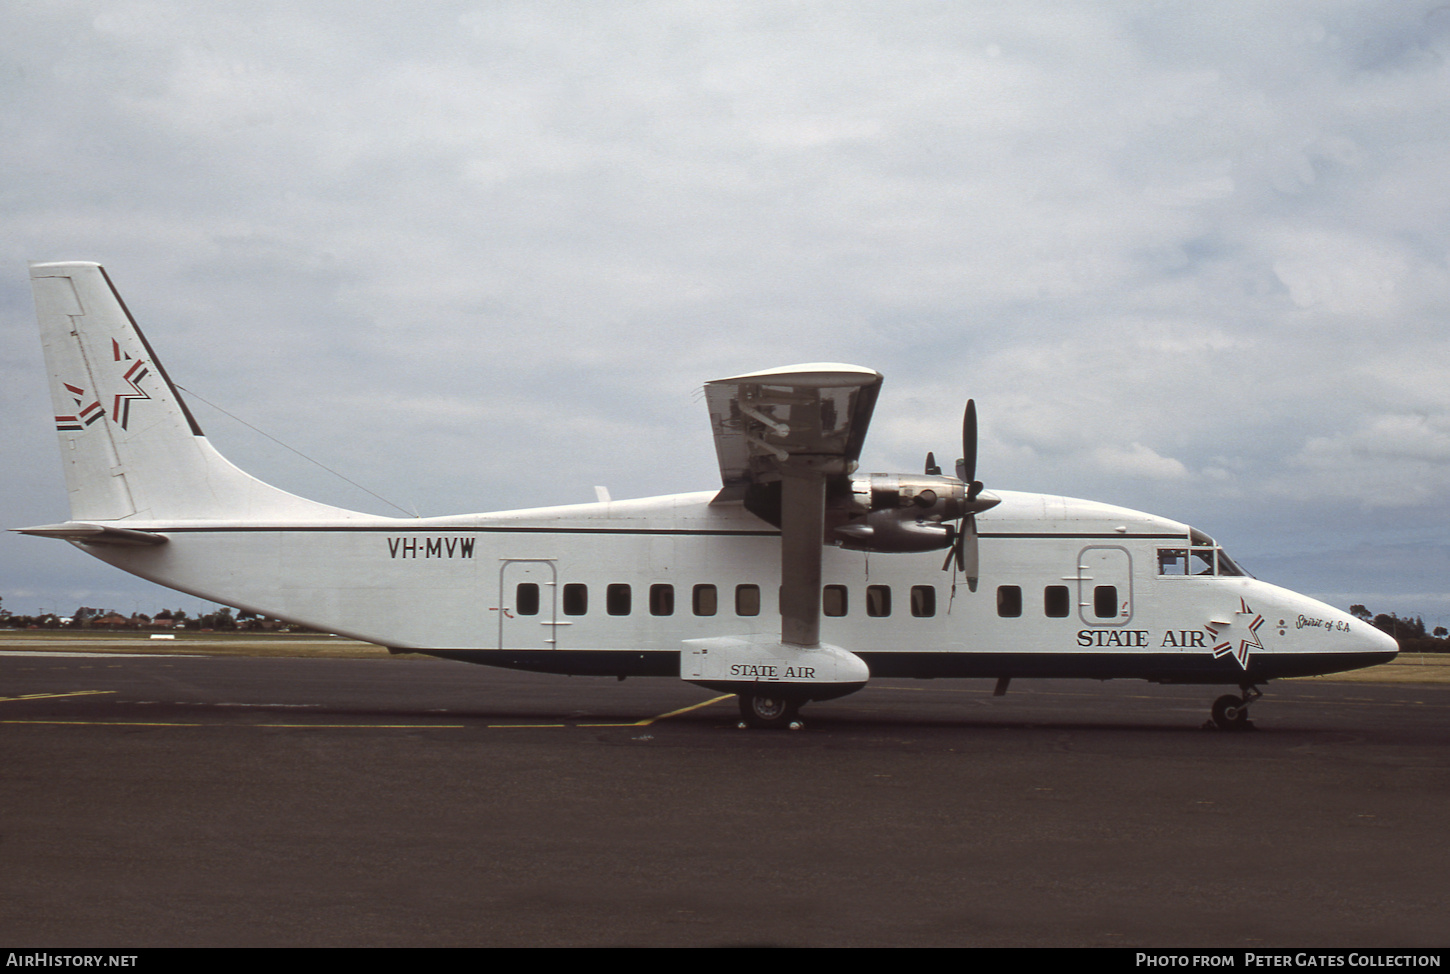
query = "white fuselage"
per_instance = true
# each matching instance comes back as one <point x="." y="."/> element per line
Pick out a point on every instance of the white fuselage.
<point x="1068" y="588"/>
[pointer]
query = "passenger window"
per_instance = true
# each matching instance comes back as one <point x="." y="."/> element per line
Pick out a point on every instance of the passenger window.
<point x="923" y="601"/>
<point x="747" y="600"/>
<point x="833" y="600"/>
<point x="617" y="599"/>
<point x="1105" y="601"/>
<point x="878" y="600"/>
<point x="661" y="600"/>
<point x="1009" y="601"/>
<point x="703" y="600"/>
<point x="576" y="599"/>
<point x="526" y="599"/>
<point x="1056" y="601"/>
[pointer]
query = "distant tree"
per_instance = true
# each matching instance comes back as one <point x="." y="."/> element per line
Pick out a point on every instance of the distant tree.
<point x="1441" y="632"/>
<point x="221" y="619"/>
<point x="1359" y="612"/>
<point x="1401" y="629"/>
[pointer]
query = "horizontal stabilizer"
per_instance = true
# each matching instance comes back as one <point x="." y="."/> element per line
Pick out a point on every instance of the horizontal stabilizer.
<point x="94" y="534"/>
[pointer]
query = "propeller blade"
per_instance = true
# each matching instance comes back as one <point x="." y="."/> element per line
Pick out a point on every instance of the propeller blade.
<point x="967" y="551"/>
<point x="968" y="472"/>
<point x="963" y="539"/>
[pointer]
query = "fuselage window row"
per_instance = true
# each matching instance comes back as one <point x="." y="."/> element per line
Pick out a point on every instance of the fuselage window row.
<point x="835" y="600"/>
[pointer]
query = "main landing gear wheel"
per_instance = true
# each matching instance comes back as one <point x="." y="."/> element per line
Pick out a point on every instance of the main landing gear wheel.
<point x="769" y="711"/>
<point x="1231" y="713"/>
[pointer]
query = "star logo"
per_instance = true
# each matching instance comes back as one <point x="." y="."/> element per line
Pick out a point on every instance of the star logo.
<point x="1245" y="645"/>
<point x="87" y="413"/>
<point x="121" y="411"/>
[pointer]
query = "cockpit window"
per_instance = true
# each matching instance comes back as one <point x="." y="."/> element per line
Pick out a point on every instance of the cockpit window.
<point x="1203" y="557"/>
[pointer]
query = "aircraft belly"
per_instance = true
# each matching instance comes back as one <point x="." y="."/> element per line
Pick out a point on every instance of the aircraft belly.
<point x="572" y="662"/>
<point x="1155" y="667"/>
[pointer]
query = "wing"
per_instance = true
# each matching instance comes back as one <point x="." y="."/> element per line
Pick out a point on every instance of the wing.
<point x="797" y="427"/>
<point x="763" y="419"/>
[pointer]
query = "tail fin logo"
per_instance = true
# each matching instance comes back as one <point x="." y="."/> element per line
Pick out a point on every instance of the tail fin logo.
<point x="84" y="415"/>
<point x="121" y="411"/>
<point x="88" y="413"/>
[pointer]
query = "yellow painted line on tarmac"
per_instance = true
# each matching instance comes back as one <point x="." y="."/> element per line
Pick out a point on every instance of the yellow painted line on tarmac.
<point x="673" y="713"/>
<point x="180" y="723"/>
<point x="51" y="696"/>
<point x="356" y="726"/>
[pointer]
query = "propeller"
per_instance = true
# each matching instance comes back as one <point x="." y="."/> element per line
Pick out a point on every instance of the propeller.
<point x="964" y="538"/>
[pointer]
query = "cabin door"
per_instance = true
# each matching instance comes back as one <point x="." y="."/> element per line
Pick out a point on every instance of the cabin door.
<point x="1105" y="585"/>
<point x="528" y="604"/>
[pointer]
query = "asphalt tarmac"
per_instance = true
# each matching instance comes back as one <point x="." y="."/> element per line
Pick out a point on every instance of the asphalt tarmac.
<point x="175" y="801"/>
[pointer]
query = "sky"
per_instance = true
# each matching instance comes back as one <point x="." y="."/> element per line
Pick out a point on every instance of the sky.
<point x="1188" y="258"/>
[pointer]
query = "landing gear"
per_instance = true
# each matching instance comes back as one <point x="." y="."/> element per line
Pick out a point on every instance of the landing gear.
<point x="769" y="711"/>
<point x="1231" y="713"/>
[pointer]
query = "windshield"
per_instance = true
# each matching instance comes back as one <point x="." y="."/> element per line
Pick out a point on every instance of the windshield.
<point x="1227" y="566"/>
<point x="1202" y="556"/>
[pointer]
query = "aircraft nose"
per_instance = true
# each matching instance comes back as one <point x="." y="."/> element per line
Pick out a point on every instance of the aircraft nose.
<point x="1377" y="640"/>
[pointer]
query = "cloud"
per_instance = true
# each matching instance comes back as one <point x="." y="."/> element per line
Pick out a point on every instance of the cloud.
<point x="1138" y="460"/>
<point x="1181" y="256"/>
<point x="1342" y="276"/>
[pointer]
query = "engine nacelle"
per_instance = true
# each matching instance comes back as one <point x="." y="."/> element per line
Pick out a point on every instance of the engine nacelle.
<point x="891" y="531"/>
<point x="901" y="512"/>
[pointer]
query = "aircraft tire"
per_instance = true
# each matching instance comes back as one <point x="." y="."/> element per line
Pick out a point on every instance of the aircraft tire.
<point x="1230" y="713"/>
<point x="766" y="710"/>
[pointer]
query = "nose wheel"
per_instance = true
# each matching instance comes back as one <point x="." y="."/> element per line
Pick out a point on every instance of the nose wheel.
<point x="766" y="710"/>
<point x="1231" y="713"/>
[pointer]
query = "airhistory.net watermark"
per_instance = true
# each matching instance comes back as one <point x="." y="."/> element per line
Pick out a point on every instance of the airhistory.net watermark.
<point x="45" y="958"/>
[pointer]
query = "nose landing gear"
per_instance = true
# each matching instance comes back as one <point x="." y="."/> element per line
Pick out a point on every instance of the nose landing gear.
<point x="1231" y="713"/>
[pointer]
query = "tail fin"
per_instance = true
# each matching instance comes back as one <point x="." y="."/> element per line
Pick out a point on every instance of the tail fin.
<point x="130" y="446"/>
